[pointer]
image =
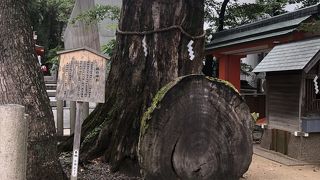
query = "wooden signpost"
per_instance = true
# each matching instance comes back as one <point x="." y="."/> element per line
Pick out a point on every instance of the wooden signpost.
<point x="81" y="78"/>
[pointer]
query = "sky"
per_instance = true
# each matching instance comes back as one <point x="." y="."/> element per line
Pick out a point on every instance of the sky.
<point x="290" y="7"/>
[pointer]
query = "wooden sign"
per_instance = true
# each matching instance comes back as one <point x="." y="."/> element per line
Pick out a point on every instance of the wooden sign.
<point x="81" y="76"/>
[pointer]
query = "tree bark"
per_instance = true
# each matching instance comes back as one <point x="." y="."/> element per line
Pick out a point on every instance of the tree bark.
<point x="21" y="82"/>
<point x="112" y="129"/>
<point x="196" y="128"/>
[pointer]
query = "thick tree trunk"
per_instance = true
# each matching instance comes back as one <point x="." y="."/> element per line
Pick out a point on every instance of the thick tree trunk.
<point x="196" y="128"/>
<point x="134" y="79"/>
<point x="21" y="82"/>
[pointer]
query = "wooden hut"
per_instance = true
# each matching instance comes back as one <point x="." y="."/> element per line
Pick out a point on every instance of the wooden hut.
<point x="293" y="99"/>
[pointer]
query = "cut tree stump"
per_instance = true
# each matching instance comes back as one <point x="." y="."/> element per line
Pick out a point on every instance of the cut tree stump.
<point x="196" y="128"/>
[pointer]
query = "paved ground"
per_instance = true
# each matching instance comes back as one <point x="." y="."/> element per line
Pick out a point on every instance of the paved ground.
<point x="265" y="169"/>
<point x="276" y="166"/>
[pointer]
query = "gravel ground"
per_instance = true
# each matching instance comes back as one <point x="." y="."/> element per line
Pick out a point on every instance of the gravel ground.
<point x="96" y="170"/>
<point x="260" y="169"/>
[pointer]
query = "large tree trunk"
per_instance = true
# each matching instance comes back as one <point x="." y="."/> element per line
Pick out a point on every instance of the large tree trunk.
<point x="21" y="82"/>
<point x="134" y="79"/>
<point x="196" y="128"/>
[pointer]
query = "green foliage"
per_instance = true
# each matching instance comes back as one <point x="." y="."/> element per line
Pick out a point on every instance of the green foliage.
<point x="155" y="103"/>
<point x="98" y="13"/>
<point x="48" y="18"/>
<point x="109" y="47"/>
<point x="312" y="27"/>
<point x="53" y="57"/>
<point x="239" y="14"/>
<point x="64" y="8"/>
<point x="255" y="116"/>
<point x="242" y="13"/>
<point x="305" y="3"/>
<point x="245" y="68"/>
<point x="273" y="7"/>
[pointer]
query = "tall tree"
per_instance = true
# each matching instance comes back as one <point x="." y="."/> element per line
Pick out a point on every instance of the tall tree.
<point x="228" y="14"/>
<point x="222" y="14"/>
<point x="21" y="82"/>
<point x="112" y="129"/>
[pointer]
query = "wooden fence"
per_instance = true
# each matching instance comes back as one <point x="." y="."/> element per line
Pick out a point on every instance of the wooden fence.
<point x="59" y="108"/>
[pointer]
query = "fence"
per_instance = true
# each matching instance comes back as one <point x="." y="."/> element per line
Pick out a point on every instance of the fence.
<point x="64" y="111"/>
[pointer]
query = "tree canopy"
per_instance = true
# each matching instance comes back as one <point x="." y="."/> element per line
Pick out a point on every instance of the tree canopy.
<point x="237" y="13"/>
<point x="49" y="18"/>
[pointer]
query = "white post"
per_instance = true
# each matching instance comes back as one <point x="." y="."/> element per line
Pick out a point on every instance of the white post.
<point x="76" y="142"/>
<point x="13" y="143"/>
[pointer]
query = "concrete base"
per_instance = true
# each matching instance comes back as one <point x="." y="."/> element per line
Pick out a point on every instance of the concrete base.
<point x="305" y="148"/>
<point x="13" y="143"/>
<point x="301" y="148"/>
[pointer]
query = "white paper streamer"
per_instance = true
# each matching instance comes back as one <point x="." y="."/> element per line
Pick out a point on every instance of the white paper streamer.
<point x="316" y="87"/>
<point x="190" y="50"/>
<point x="75" y="160"/>
<point x="144" y="44"/>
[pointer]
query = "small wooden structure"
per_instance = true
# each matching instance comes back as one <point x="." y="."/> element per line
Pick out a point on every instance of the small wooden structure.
<point x="292" y="102"/>
<point x="292" y="107"/>
<point x="292" y="99"/>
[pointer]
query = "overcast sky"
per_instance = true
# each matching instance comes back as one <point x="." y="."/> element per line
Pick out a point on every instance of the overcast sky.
<point x="290" y="7"/>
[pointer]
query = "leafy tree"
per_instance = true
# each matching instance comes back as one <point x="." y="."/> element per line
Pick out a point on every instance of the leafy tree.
<point x="49" y="18"/>
<point x="273" y="7"/>
<point x="98" y="13"/>
<point x="229" y="14"/>
<point x="305" y="3"/>
<point x="312" y="26"/>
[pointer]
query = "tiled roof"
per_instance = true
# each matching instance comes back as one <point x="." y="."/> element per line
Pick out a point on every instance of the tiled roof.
<point x="259" y="33"/>
<point x="271" y="27"/>
<point x="290" y="56"/>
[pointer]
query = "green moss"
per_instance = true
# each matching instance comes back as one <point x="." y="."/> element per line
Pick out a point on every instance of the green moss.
<point x="93" y="134"/>
<point x="161" y="93"/>
<point x="227" y="83"/>
<point x="155" y="102"/>
<point x="148" y="114"/>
